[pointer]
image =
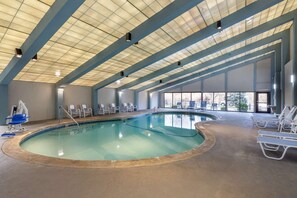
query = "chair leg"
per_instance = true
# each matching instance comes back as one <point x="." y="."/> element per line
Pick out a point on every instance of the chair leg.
<point x="274" y="158"/>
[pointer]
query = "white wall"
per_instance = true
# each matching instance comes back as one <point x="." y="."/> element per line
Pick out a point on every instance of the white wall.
<point x="142" y="100"/>
<point x="215" y="83"/>
<point x="154" y="100"/>
<point x="106" y="96"/>
<point x="77" y="95"/>
<point x="263" y="75"/>
<point x="241" y="79"/>
<point x="196" y="86"/>
<point x="38" y="97"/>
<point x="127" y="96"/>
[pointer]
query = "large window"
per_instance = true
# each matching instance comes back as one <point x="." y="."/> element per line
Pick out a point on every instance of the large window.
<point x="176" y="100"/>
<point x="197" y="98"/>
<point x="168" y="100"/>
<point x="208" y="97"/>
<point x="219" y="101"/>
<point x="186" y="97"/>
<point x="231" y="101"/>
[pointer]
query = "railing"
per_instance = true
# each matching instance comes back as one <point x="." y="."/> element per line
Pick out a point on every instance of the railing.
<point x="60" y="107"/>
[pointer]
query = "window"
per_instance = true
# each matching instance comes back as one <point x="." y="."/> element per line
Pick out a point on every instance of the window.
<point x="233" y="101"/>
<point x="168" y="100"/>
<point x="197" y="98"/>
<point x="208" y="97"/>
<point x="247" y="101"/>
<point x="186" y="97"/>
<point x="219" y="101"/>
<point x="176" y="100"/>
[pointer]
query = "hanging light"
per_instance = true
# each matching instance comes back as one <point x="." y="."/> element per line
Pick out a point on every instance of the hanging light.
<point x="128" y="36"/>
<point x="18" y="52"/>
<point x="219" y="25"/>
<point x="178" y="63"/>
<point x="34" y="57"/>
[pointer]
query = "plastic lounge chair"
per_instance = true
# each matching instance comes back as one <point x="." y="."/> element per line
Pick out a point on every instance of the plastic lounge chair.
<point x="102" y="110"/>
<point x="192" y="105"/>
<point x="274" y="121"/>
<point x="74" y="112"/>
<point x="125" y="107"/>
<point x="131" y="107"/>
<point x="113" y="108"/>
<point x="86" y="111"/>
<point x="179" y="105"/>
<point x="290" y="118"/>
<point x="203" y="105"/>
<point x="275" y="143"/>
<point x="276" y="134"/>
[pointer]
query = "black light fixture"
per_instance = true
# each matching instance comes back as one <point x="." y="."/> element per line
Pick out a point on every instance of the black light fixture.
<point x="122" y="73"/>
<point x="161" y="81"/>
<point x="34" y="57"/>
<point x="128" y="36"/>
<point x="178" y="63"/>
<point x="219" y="25"/>
<point x="18" y="52"/>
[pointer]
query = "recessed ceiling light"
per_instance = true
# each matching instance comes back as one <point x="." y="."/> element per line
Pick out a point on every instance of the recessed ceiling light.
<point x="58" y="73"/>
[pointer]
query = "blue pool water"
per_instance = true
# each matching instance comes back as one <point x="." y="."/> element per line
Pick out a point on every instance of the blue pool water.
<point x="138" y="138"/>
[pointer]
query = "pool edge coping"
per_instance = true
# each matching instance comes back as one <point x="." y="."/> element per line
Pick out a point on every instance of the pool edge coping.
<point x="11" y="147"/>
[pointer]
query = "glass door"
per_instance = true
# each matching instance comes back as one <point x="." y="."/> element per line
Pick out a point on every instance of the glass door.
<point x="263" y="101"/>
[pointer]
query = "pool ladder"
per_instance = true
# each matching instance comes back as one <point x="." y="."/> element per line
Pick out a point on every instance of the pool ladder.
<point x="60" y="107"/>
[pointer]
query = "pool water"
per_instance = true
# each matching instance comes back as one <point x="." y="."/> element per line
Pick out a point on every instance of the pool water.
<point x="138" y="138"/>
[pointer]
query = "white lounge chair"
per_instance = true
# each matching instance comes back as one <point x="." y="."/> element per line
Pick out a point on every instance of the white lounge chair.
<point x="125" y="107"/>
<point x="102" y="109"/>
<point x="131" y="107"/>
<point x="264" y="122"/>
<point x="275" y="144"/>
<point x="73" y="111"/>
<point x="113" y="108"/>
<point x="290" y="118"/>
<point x="86" y="111"/>
<point x="277" y="134"/>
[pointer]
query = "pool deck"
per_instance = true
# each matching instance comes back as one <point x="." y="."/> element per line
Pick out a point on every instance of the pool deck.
<point x="234" y="167"/>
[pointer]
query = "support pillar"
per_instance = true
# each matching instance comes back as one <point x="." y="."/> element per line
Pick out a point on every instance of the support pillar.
<point x="148" y="100"/>
<point x="117" y="97"/>
<point x="277" y="78"/>
<point x="59" y="101"/>
<point x="285" y="59"/>
<point x="3" y="103"/>
<point x="95" y="101"/>
<point x="294" y="48"/>
<point x="136" y="98"/>
<point x="159" y="100"/>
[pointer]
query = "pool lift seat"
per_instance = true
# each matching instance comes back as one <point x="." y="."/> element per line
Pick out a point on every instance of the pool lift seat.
<point x="19" y="115"/>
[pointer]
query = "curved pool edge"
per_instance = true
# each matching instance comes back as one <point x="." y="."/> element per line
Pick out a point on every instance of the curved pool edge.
<point x="12" y="148"/>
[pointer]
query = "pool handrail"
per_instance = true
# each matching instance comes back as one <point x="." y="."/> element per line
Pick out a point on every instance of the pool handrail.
<point x="60" y="107"/>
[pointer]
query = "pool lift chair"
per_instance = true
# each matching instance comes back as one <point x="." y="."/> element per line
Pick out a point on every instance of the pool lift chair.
<point x="18" y="116"/>
<point x="86" y="111"/>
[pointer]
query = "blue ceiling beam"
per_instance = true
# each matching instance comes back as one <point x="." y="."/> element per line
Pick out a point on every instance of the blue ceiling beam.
<point x="214" y="69"/>
<point x="244" y="49"/>
<point x="227" y="43"/>
<point x="155" y="22"/>
<point x="53" y="19"/>
<point x="228" y="21"/>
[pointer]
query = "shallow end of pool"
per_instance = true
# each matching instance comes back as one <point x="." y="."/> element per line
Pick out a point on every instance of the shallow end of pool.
<point x="12" y="148"/>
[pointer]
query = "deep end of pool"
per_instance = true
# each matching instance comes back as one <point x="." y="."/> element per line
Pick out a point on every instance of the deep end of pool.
<point x="145" y="140"/>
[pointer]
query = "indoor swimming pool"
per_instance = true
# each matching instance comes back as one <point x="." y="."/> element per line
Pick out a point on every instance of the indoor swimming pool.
<point x="146" y="136"/>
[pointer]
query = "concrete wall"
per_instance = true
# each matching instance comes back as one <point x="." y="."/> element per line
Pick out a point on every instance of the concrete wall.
<point x="288" y="84"/>
<point x="77" y="95"/>
<point x="216" y="83"/>
<point x="154" y="100"/>
<point x="142" y="100"/>
<point x="263" y="75"/>
<point x="38" y="97"/>
<point x="241" y="79"/>
<point x="106" y="96"/>
<point x="127" y="96"/>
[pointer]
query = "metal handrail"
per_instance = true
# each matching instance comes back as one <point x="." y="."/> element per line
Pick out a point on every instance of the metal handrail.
<point x="60" y="107"/>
